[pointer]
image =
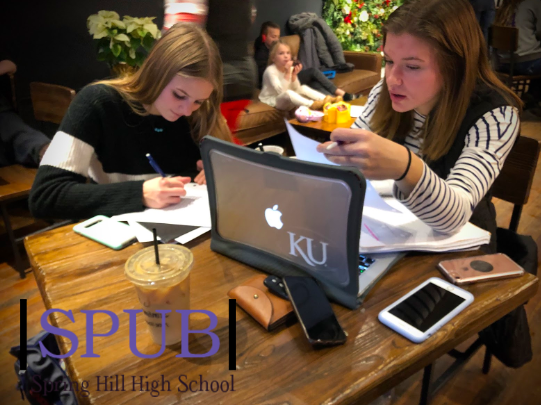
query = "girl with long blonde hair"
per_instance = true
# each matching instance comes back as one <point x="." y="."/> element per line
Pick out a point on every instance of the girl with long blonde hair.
<point x="97" y="162"/>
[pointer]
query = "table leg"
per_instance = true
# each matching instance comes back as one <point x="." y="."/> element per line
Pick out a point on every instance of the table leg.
<point x="487" y="361"/>
<point x="13" y="243"/>
<point x="425" y="389"/>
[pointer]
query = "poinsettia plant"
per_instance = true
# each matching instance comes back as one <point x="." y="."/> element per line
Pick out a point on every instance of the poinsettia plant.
<point x="122" y="41"/>
<point x="357" y="23"/>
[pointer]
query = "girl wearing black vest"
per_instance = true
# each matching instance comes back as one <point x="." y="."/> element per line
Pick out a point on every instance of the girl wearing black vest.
<point x="440" y="123"/>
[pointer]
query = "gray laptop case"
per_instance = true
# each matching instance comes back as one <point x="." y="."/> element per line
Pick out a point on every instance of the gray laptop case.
<point x="286" y="217"/>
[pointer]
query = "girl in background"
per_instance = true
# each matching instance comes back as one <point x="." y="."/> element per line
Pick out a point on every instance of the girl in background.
<point x="281" y="86"/>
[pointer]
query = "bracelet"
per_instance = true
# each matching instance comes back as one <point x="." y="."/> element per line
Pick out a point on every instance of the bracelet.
<point x="407" y="167"/>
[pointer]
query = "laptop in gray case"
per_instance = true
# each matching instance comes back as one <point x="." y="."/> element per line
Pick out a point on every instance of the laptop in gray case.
<point x="287" y="217"/>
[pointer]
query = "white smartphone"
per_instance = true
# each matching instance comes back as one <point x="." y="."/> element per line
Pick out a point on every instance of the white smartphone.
<point x="424" y="310"/>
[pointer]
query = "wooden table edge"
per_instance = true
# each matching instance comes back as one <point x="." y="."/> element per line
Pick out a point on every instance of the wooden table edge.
<point x="372" y="392"/>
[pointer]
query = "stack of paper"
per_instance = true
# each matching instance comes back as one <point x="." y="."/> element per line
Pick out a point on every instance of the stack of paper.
<point x="192" y="210"/>
<point x="384" y="231"/>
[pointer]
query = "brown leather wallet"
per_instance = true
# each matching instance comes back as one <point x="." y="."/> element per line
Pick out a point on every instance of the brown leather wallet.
<point x="265" y="307"/>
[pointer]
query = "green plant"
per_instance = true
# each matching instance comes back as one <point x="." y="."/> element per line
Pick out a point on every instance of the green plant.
<point x="127" y="41"/>
<point x="357" y="23"/>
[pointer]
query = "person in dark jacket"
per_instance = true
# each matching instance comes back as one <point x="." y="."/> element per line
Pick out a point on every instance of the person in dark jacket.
<point x="19" y="143"/>
<point x="228" y="24"/>
<point x="485" y="11"/>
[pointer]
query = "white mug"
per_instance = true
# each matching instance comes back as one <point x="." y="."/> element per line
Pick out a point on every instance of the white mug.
<point x="273" y="148"/>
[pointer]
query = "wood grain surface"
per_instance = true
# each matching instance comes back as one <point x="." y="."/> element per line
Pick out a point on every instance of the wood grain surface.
<point x="280" y="367"/>
<point x="15" y="181"/>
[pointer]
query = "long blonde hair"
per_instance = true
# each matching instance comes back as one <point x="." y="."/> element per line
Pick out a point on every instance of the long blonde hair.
<point x="506" y="12"/>
<point x="185" y="50"/>
<point x="451" y="28"/>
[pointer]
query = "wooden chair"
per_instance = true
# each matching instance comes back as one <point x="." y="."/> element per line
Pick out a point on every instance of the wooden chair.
<point x="50" y="101"/>
<point x="505" y="39"/>
<point x="515" y="180"/>
<point x="512" y="185"/>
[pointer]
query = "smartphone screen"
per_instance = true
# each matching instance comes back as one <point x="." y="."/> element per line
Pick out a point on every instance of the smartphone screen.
<point x="314" y="311"/>
<point x="426" y="307"/>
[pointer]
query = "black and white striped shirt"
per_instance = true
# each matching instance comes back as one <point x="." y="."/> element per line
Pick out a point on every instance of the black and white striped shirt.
<point x="447" y="204"/>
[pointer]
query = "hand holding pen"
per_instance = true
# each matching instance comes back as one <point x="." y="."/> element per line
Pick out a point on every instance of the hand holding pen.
<point x="163" y="191"/>
<point x="377" y="157"/>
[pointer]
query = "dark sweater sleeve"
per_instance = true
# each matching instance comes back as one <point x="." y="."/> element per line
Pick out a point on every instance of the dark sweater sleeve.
<point x="62" y="188"/>
<point x="59" y="193"/>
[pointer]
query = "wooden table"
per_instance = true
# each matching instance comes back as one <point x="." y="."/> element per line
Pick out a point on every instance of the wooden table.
<point x="74" y="273"/>
<point x="15" y="183"/>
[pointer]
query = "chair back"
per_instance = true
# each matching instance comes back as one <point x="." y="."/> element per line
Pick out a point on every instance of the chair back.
<point x="294" y="42"/>
<point x="50" y="101"/>
<point x="515" y="180"/>
<point x="503" y="38"/>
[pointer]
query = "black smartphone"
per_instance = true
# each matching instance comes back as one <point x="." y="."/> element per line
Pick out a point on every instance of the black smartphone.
<point x="314" y="312"/>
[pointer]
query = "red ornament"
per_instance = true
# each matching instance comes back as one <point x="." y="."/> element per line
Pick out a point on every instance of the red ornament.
<point x="360" y="5"/>
<point x="387" y="2"/>
<point x="347" y="19"/>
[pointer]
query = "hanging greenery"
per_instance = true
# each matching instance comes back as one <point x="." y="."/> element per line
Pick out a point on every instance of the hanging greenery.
<point x="357" y="23"/>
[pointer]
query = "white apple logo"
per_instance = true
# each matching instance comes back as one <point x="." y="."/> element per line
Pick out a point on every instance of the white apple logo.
<point x="273" y="217"/>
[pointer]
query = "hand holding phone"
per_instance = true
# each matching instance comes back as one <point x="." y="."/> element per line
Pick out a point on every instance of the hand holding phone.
<point x="314" y="312"/>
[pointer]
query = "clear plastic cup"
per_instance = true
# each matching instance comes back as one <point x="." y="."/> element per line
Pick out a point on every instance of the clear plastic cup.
<point x="163" y="286"/>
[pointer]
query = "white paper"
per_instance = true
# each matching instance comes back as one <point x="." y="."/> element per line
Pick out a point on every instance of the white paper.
<point x="193" y="210"/>
<point x="141" y="233"/>
<point x="383" y="187"/>
<point x="393" y="232"/>
<point x="356" y="110"/>
<point x="192" y="235"/>
<point x="305" y="149"/>
<point x="144" y="235"/>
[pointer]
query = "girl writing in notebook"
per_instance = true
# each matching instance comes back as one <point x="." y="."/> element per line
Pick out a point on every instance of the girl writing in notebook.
<point x="97" y="164"/>
<point x="440" y="123"/>
<point x="281" y="86"/>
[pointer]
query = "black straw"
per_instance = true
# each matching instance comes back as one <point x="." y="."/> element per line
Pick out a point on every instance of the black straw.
<point x="156" y="251"/>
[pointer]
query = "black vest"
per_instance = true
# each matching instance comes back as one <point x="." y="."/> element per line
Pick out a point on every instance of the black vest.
<point x="483" y="100"/>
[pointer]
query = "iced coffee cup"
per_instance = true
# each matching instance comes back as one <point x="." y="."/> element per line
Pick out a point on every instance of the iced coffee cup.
<point x="162" y="286"/>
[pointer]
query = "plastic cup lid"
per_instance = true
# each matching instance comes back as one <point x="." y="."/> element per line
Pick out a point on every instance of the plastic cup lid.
<point x="175" y="264"/>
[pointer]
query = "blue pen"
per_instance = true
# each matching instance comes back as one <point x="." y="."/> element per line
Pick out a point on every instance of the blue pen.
<point x="155" y="165"/>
